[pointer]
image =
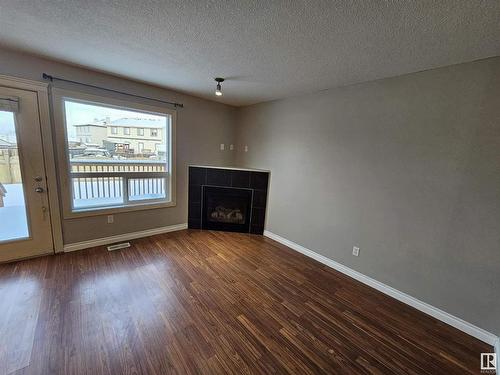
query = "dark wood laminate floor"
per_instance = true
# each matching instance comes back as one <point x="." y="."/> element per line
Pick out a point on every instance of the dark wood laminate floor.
<point x="212" y="302"/>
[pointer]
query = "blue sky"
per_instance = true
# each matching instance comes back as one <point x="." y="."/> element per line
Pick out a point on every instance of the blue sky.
<point x="82" y="113"/>
<point x="76" y="113"/>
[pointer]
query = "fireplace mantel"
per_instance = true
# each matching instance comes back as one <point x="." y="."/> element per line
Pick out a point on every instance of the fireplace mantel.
<point x="231" y="168"/>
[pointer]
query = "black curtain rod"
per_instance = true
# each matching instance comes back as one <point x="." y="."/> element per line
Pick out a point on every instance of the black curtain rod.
<point x="52" y="79"/>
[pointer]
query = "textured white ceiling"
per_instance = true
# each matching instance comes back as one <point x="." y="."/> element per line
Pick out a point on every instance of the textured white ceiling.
<point x="267" y="49"/>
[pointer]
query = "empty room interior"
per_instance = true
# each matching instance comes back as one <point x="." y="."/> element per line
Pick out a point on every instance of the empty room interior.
<point x="249" y="187"/>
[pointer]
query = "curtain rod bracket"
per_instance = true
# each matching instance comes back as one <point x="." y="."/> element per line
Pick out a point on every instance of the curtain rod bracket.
<point x="47" y="77"/>
<point x="50" y="78"/>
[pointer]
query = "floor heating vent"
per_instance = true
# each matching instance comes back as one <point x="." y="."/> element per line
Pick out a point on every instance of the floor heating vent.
<point x="119" y="246"/>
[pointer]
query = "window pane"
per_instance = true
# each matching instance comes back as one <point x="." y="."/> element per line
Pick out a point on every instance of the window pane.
<point x="13" y="219"/>
<point x="146" y="188"/>
<point x="97" y="191"/>
<point x="103" y="152"/>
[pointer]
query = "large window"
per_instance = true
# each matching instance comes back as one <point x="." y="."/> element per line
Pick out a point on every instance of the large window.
<point x="117" y="170"/>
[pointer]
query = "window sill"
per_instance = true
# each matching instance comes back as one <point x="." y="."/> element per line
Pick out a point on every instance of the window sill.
<point x="110" y="210"/>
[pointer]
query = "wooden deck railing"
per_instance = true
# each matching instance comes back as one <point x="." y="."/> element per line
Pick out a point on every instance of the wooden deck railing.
<point x="118" y="181"/>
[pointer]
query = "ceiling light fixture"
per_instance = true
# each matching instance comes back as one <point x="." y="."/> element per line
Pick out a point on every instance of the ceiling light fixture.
<point x="218" y="89"/>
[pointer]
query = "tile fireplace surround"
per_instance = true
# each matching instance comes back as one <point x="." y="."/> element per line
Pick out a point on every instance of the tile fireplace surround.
<point x="252" y="180"/>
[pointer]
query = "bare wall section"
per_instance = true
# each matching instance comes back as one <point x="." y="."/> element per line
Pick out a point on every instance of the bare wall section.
<point x="406" y="168"/>
<point x="201" y="126"/>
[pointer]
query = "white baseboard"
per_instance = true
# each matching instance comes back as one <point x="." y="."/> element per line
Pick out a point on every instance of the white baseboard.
<point x="441" y="315"/>
<point x="123" y="237"/>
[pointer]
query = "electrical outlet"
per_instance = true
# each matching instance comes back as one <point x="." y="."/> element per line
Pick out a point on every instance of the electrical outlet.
<point x="111" y="219"/>
<point x="246" y="148"/>
<point x="222" y="146"/>
<point x="231" y="147"/>
<point x="355" y="251"/>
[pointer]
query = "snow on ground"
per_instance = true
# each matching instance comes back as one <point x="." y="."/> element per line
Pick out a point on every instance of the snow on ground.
<point x="108" y="192"/>
<point x="13" y="221"/>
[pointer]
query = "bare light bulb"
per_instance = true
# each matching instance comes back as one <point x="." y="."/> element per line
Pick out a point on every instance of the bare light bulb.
<point x="218" y="90"/>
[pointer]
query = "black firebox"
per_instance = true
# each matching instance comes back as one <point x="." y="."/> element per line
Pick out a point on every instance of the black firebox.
<point x="226" y="209"/>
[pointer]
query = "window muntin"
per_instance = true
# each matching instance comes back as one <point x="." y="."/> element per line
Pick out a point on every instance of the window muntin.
<point x="117" y="169"/>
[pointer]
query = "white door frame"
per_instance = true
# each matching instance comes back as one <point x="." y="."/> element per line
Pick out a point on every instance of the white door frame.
<point x="41" y="89"/>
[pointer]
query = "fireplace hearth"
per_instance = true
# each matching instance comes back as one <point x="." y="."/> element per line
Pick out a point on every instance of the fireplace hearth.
<point x="227" y="199"/>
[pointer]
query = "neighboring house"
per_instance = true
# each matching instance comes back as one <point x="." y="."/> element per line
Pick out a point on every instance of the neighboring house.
<point x="10" y="172"/>
<point x="125" y="135"/>
<point x="3" y="192"/>
<point x="143" y="136"/>
<point x="91" y="134"/>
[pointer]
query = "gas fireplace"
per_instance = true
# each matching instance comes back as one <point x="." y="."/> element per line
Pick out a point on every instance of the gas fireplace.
<point x="228" y="199"/>
<point x="226" y="209"/>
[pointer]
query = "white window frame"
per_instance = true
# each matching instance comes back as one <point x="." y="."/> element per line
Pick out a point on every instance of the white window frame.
<point x="151" y="132"/>
<point x="140" y="132"/>
<point x="58" y="97"/>
<point x="126" y="130"/>
<point x="114" y="130"/>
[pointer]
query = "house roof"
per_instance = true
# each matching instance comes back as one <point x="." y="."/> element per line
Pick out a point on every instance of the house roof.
<point x="4" y="143"/>
<point x="99" y="125"/>
<point x="139" y="122"/>
<point x="132" y="122"/>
